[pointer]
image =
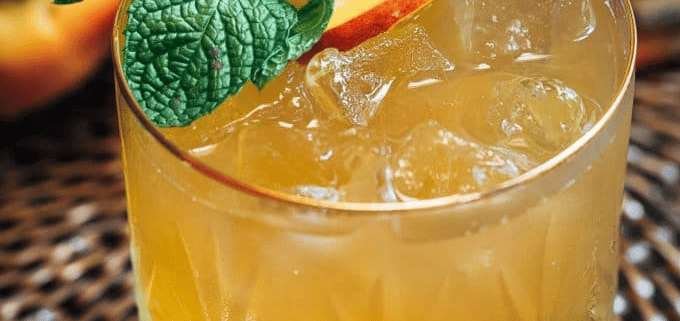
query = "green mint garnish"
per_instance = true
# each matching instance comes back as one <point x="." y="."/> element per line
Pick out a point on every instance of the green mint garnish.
<point x="66" y="1"/>
<point x="183" y="58"/>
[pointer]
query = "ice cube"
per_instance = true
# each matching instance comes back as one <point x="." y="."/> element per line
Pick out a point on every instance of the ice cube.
<point x="493" y="29"/>
<point x="543" y="113"/>
<point x="319" y="192"/>
<point x="537" y="116"/>
<point x="361" y="155"/>
<point x="507" y="29"/>
<point x="352" y="85"/>
<point x="278" y="156"/>
<point x="434" y="162"/>
<point x="573" y="20"/>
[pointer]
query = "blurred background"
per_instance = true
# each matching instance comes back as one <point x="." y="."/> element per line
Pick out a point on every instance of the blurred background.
<point x="63" y="240"/>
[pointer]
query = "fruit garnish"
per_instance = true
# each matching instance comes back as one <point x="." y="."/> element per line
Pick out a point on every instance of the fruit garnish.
<point x="48" y="50"/>
<point x="355" y="21"/>
<point x="183" y="58"/>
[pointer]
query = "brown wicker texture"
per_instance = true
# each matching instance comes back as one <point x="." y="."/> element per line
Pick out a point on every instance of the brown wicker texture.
<point x="64" y="251"/>
<point x="63" y="238"/>
<point x="650" y="269"/>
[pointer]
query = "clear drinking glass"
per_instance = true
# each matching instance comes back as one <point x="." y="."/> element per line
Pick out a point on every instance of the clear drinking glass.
<point x="542" y="246"/>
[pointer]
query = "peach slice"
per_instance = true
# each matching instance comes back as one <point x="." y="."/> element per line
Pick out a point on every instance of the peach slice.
<point x="355" y="21"/>
<point x="47" y="50"/>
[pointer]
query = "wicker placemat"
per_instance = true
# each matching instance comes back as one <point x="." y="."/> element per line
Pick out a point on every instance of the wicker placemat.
<point x="63" y="238"/>
<point x="64" y="252"/>
<point x="650" y="269"/>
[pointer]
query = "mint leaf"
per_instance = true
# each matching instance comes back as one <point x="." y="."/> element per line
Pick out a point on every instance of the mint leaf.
<point x="313" y="19"/>
<point x="183" y="58"/>
<point x="66" y="1"/>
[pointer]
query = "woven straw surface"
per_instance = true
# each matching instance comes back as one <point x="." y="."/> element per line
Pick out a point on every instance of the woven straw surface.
<point x="650" y="269"/>
<point x="64" y="252"/>
<point x="63" y="238"/>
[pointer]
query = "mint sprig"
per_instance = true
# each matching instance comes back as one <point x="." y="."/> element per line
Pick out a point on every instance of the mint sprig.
<point x="66" y="1"/>
<point x="183" y="58"/>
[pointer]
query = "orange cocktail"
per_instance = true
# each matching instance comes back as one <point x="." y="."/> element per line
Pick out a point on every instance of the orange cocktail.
<point x="467" y="164"/>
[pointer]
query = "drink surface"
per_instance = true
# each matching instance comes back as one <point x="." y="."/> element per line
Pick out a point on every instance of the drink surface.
<point x="455" y="99"/>
<point x="458" y="98"/>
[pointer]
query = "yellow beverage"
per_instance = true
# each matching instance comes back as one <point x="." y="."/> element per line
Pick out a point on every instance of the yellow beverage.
<point x="468" y="164"/>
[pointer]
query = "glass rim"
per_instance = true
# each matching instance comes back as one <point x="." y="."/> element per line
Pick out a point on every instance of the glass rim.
<point x="452" y="200"/>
